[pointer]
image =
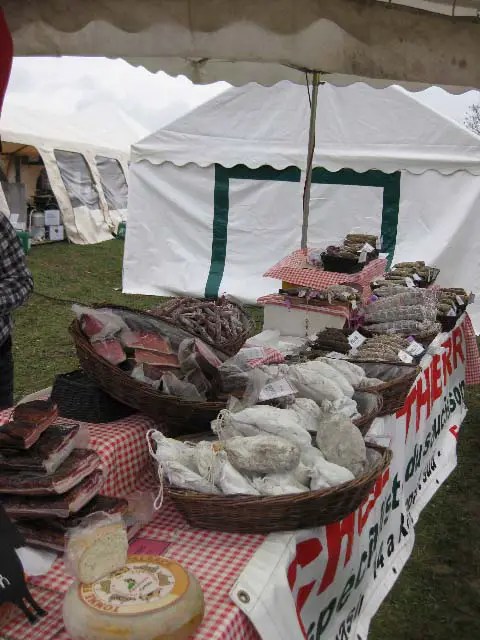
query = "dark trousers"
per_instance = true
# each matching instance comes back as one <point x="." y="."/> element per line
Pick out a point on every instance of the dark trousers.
<point x="6" y="375"/>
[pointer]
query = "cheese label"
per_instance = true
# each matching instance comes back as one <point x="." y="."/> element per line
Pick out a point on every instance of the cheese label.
<point x="144" y="585"/>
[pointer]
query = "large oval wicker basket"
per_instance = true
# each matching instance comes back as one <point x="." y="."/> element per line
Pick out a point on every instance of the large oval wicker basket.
<point x="174" y="416"/>
<point x="249" y="514"/>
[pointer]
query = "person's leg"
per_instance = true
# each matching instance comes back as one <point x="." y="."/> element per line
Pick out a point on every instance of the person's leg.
<point x="6" y="375"/>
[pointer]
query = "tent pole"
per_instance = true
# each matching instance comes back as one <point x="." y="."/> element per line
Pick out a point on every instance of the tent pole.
<point x="311" y="150"/>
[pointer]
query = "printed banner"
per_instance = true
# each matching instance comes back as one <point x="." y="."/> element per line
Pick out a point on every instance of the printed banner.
<point x="328" y="583"/>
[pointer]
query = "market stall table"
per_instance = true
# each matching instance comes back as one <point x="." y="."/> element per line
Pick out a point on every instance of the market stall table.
<point x="265" y="577"/>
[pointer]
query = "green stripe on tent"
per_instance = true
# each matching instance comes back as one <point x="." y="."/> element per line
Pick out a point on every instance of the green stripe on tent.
<point x="390" y="182"/>
<point x="220" y="213"/>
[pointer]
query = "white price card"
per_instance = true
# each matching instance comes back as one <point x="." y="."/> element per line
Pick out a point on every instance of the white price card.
<point x="451" y="313"/>
<point x="363" y="257"/>
<point x="277" y="389"/>
<point x="410" y="282"/>
<point x="405" y="357"/>
<point x="356" y="339"/>
<point x="368" y="248"/>
<point x="471" y="298"/>
<point x="460" y="301"/>
<point x="415" y="349"/>
<point x="416" y="277"/>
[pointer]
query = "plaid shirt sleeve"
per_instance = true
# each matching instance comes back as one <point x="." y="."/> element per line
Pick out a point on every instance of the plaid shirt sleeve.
<point x="16" y="282"/>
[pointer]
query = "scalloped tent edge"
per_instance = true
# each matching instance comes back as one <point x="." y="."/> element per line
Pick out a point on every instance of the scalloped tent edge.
<point x="356" y="128"/>
<point x="413" y="42"/>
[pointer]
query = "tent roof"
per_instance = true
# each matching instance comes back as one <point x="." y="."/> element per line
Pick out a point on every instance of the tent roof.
<point x="103" y="132"/>
<point x="357" y="128"/>
<point x="407" y="41"/>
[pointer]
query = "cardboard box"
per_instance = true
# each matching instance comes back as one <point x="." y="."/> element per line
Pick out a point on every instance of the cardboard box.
<point x="56" y="232"/>
<point x="52" y="218"/>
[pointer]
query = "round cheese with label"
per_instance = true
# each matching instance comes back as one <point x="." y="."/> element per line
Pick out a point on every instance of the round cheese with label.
<point x="150" y="598"/>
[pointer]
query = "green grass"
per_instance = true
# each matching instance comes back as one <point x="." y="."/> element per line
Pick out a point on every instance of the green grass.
<point x="437" y="595"/>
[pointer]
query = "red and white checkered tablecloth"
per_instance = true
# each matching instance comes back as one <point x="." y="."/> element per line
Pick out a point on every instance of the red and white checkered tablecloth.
<point x="216" y="559"/>
<point x="292" y="269"/>
<point x="472" y="370"/>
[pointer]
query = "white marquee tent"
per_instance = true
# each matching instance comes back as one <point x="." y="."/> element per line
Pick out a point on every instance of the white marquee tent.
<point x="216" y="197"/>
<point x="85" y="155"/>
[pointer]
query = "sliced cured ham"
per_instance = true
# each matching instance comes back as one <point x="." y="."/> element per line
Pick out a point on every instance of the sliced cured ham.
<point x="110" y="350"/>
<point x="80" y="464"/>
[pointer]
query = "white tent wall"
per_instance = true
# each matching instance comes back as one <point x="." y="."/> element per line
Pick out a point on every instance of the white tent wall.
<point x="174" y="245"/>
<point x="48" y="133"/>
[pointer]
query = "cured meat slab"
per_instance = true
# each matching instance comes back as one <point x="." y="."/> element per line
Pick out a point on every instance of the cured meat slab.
<point x="110" y="350"/>
<point x="148" y="342"/>
<point x="46" y="455"/>
<point x="76" y="467"/>
<point x="55" y="506"/>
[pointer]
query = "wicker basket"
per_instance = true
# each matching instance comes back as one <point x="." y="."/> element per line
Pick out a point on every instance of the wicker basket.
<point x="398" y="379"/>
<point x="249" y="514"/>
<point x="78" y="397"/>
<point x="230" y="346"/>
<point x="174" y="415"/>
<point x="369" y="406"/>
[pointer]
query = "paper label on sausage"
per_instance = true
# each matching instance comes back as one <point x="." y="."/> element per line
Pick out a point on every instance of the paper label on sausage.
<point x="277" y="389"/>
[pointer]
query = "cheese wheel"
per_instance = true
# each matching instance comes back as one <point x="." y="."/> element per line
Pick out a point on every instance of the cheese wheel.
<point x="93" y="552"/>
<point x="150" y="598"/>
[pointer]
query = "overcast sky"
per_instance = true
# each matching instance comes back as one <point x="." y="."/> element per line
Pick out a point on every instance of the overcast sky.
<point x="64" y="85"/>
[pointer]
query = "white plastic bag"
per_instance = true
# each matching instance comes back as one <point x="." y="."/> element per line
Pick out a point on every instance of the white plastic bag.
<point x="229" y="480"/>
<point x="332" y="374"/>
<point x="266" y="419"/>
<point x="341" y="442"/>
<point x="277" y="484"/>
<point x="183" y="478"/>
<point x="352" y="372"/>
<point x="313" y="385"/>
<point x="308" y="413"/>
<point x="262" y="454"/>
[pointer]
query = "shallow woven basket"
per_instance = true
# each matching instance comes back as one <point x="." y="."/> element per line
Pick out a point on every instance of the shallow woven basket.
<point x="250" y="514"/>
<point x="229" y="346"/>
<point x="174" y="416"/>
<point x="369" y="405"/>
<point x="395" y="389"/>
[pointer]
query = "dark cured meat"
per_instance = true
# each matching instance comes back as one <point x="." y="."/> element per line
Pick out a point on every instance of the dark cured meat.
<point x="76" y="467"/>
<point x="157" y="359"/>
<point x="55" y="506"/>
<point x="46" y="455"/>
<point x="36" y="412"/>
<point x="20" y="436"/>
<point x="149" y="342"/>
<point x="110" y="350"/>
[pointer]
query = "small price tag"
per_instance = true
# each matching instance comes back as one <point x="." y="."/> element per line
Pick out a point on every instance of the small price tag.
<point x="356" y="339"/>
<point x="416" y="277"/>
<point x="471" y="298"/>
<point x="363" y="257"/>
<point x="452" y="313"/>
<point x="405" y="357"/>
<point x="415" y="349"/>
<point x="368" y="248"/>
<point x="460" y="301"/>
<point x="410" y="283"/>
<point x="277" y="389"/>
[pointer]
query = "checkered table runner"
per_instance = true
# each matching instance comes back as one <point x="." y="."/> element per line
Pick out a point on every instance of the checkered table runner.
<point x="281" y="301"/>
<point x="292" y="269"/>
<point x="216" y="559"/>
<point x="472" y="370"/>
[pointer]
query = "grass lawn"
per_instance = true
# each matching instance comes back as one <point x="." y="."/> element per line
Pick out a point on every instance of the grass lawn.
<point x="438" y="594"/>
